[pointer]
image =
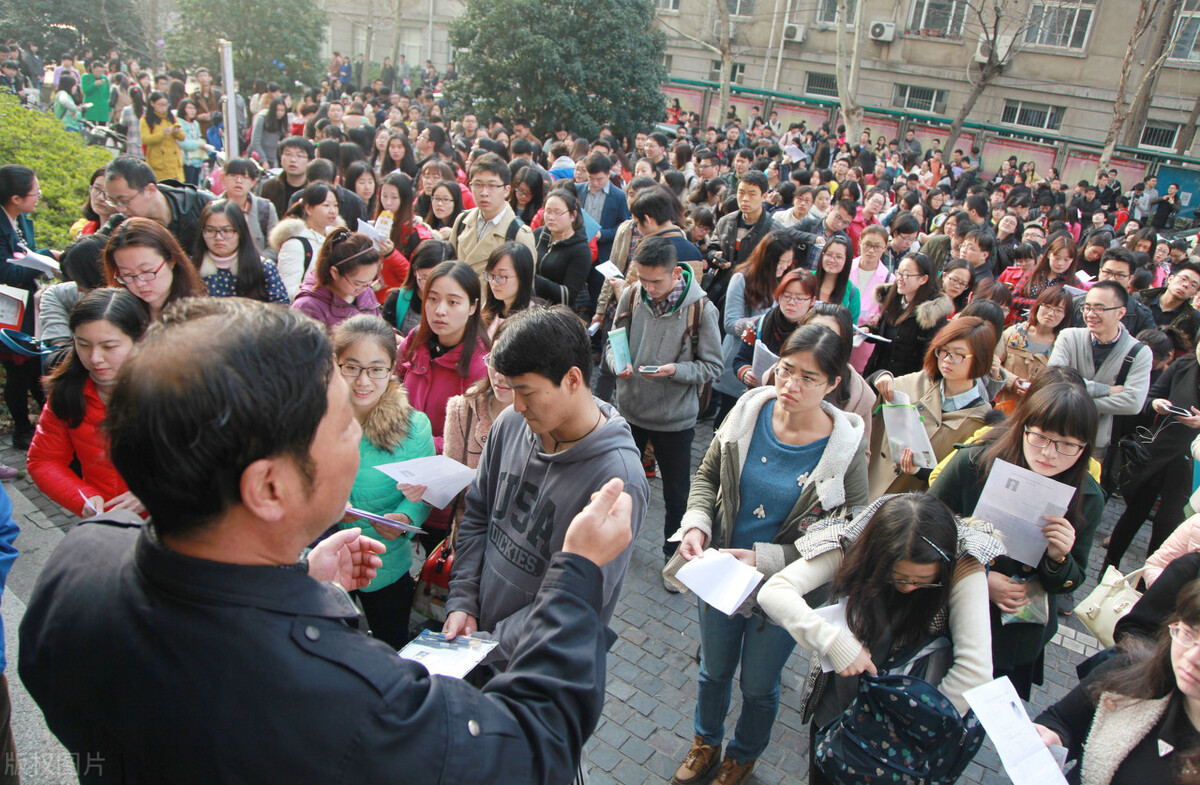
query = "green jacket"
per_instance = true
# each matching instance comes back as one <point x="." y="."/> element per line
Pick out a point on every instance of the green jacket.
<point x="393" y="432"/>
<point x="839" y="481"/>
<point x="960" y="486"/>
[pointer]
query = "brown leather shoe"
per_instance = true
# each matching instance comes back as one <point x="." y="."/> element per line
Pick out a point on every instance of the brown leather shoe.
<point x="732" y="772"/>
<point x="699" y="764"/>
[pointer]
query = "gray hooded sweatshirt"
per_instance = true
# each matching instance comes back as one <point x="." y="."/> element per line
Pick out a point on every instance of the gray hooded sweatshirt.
<point x="517" y="512"/>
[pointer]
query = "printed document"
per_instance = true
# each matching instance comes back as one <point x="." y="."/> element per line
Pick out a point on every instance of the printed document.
<point x="441" y="657"/>
<point x="905" y="429"/>
<point x="442" y="477"/>
<point x="720" y="580"/>
<point x="1016" y="501"/>
<point x="1022" y="751"/>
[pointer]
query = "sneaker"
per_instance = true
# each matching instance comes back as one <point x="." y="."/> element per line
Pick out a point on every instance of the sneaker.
<point x="699" y="764"/>
<point x="651" y="467"/>
<point x="8" y="472"/>
<point x="732" y="772"/>
<point x="670" y="586"/>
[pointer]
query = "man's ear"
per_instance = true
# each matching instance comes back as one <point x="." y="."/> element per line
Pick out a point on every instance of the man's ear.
<point x="266" y="484"/>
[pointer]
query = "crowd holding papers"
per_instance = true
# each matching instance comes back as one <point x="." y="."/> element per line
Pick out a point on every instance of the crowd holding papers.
<point x="720" y="580"/>
<point x="1016" y="501"/>
<point x="376" y="236"/>
<point x="441" y="657"/>
<point x="443" y="478"/>
<point x="905" y="429"/>
<point x="1021" y="749"/>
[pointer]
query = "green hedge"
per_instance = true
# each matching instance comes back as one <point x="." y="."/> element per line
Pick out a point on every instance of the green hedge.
<point x="62" y="161"/>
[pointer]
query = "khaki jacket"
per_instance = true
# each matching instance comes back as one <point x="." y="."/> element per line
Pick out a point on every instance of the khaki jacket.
<point x="474" y="251"/>
<point x="944" y="432"/>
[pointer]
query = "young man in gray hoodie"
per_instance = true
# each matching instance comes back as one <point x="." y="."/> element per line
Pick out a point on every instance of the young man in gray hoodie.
<point x="674" y="349"/>
<point x="544" y="458"/>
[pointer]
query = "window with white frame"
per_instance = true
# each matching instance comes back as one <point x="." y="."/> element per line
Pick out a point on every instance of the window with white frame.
<point x="1185" y="43"/>
<point x="921" y="99"/>
<point x="821" y="84"/>
<point x="1062" y="24"/>
<point x="666" y="5"/>
<point x="827" y="11"/>
<point x="1032" y="115"/>
<point x="736" y="7"/>
<point x="937" y="18"/>
<point x="735" y="73"/>
<point x="1161" y="135"/>
<point x="667" y="62"/>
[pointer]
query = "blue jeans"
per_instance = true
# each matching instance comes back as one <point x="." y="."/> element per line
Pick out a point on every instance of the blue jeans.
<point x="763" y="649"/>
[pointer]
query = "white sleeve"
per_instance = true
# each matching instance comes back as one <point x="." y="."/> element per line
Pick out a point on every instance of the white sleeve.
<point x="971" y="628"/>
<point x="291" y="265"/>
<point x="782" y="597"/>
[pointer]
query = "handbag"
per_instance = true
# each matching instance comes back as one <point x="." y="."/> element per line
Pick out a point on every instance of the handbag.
<point x="1109" y="601"/>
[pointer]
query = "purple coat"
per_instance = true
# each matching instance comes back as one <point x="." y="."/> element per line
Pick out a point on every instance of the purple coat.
<point x="322" y="304"/>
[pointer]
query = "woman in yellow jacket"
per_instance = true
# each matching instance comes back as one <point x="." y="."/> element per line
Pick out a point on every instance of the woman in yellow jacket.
<point x="161" y="135"/>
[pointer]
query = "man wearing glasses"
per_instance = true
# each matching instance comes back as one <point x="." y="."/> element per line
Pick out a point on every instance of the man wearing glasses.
<point x="134" y="191"/>
<point x="480" y="230"/>
<point x="813" y="233"/>
<point x="1117" y="265"/>
<point x="1172" y="304"/>
<point x="1114" y="365"/>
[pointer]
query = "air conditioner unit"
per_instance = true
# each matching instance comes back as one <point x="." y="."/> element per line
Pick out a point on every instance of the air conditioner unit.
<point x="883" y="32"/>
<point x="795" y="32"/>
<point x="1004" y="47"/>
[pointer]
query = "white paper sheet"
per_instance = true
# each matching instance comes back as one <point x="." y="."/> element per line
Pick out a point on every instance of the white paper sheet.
<point x="441" y="657"/>
<point x="442" y="477"/>
<point x="905" y="429"/>
<point x="764" y="358"/>
<point x="1021" y="750"/>
<point x="619" y="342"/>
<point x="835" y="615"/>
<point x="1016" y="501"/>
<point x="367" y="228"/>
<point x="36" y="261"/>
<point x="720" y="580"/>
<point x="610" y="270"/>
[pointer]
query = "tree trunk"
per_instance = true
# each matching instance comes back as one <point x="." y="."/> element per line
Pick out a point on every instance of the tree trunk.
<point x="396" y="43"/>
<point x="725" y="45"/>
<point x="1159" y="46"/>
<point x="1120" y="111"/>
<point x="990" y="72"/>
<point x="1187" y="134"/>
<point x="848" y="67"/>
<point x="366" y="72"/>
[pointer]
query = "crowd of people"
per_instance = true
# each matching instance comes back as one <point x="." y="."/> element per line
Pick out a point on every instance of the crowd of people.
<point x="558" y="312"/>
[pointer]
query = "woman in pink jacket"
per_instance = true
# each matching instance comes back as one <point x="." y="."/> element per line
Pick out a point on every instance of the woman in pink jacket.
<point x="445" y="355"/>
<point x="867" y="272"/>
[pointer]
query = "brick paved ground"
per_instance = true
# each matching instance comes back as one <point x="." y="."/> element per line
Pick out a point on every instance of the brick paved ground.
<point x="647" y="724"/>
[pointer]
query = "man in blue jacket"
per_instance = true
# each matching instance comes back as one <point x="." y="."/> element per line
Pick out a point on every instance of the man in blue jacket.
<point x="199" y="648"/>
<point x="607" y="205"/>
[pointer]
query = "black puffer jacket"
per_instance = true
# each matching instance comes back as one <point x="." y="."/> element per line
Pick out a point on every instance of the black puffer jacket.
<point x="562" y="267"/>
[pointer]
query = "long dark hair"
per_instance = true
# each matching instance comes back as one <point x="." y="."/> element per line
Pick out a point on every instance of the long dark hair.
<point x="251" y="273"/>
<point x="429" y="254"/>
<point x="912" y="527"/>
<point x="402" y="219"/>
<point x="1042" y="273"/>
<point x="356" y="171"/>
<point x="759" y="267"/>
<point x="313" y="194"/>
<point x="276" y="125"/>
<point x="531" y="177"/>
<point x="1150" y="674"/>
<point x="407" y="162"/>
<point x="468" y="280"/>
<point x="843" y="278"/>
<point x="118" y="307"/>
<point x="455" y="191"/>
<point x="522" y="262"/>
<point x="88" y="212"/>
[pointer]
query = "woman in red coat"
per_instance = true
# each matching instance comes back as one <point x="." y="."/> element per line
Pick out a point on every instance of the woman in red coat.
<point x="105" y="325"/>
<point x="444" y="356"/>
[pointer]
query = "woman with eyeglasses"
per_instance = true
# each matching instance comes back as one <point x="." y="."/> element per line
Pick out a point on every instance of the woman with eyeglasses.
<point x="784" y="459"/>
<point x="146" y="259"/>
<point x="794" y="296"/>
<point x="564" y="259"/>
<point x="1051" y="433"/>
<point x="867" y="273"/>
<point x="1139" y="722"/>
<point x="444" y="355"/>
<point x="445" y="205"/>
<point x="528" y="194"/>
<point x="241" y="175"/>
<point x="104" y="325"/>
<point x="1024" y="349"/>
<point x="392" y="430"/>
<point x="1166" y="476"/>
<point x="958" y="281"/>
<point x="96" y="208"/>
<point x="911" y="311"/>
<point x="229" y="262"/>
<point x="833" y="276"/>
<point x="341" y="284"/>
<point x="908" y="573"/>
<point x="949" y="394"/>
<point x="510" y="284"/>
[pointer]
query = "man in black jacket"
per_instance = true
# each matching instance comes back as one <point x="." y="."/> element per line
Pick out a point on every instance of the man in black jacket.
<point x="738" y="233"/>
<point x="213" y="655"/>
<point x="133" y="189"/>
